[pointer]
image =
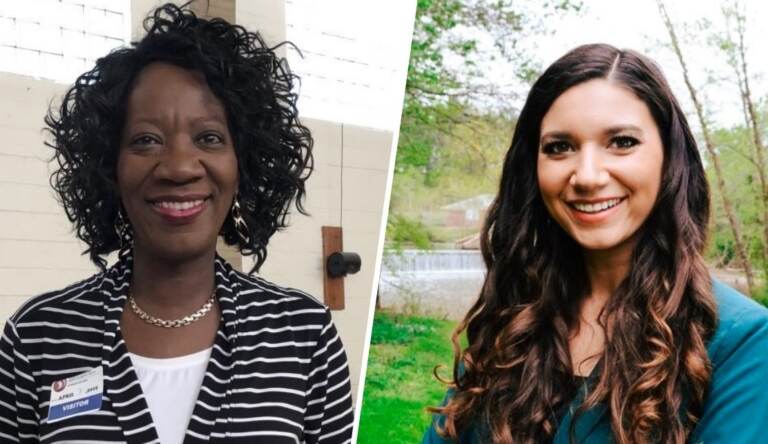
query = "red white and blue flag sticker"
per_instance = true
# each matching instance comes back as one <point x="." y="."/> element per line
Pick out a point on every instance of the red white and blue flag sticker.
<point x="76" y="395"/>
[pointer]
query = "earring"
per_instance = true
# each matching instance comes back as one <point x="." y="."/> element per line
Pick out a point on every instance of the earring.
<point x="240" y="225"/>
<point x="124" y="231"/>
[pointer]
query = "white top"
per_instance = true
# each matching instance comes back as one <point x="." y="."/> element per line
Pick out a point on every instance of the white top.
<point x="170" y="388"/>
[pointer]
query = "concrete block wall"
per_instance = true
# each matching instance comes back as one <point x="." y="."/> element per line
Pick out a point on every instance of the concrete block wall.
<point x="267" y="17"/>
<point x="347" y="189"/>
<point x="38" y="251"/>
<point x="365" y="163"/>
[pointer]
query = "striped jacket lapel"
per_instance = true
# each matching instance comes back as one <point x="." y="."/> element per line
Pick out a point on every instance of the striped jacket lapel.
<point x="121" y="386"/>
<point x="208" y="420"/>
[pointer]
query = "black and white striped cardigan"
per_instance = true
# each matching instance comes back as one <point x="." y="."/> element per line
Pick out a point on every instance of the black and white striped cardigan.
<point x="277" y="372"/>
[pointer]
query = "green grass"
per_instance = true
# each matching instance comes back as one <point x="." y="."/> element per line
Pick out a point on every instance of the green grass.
<point x="761" y="295"/>
<point x="399" y="384"/>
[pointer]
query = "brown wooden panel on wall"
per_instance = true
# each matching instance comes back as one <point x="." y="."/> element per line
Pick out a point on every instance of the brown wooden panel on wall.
<point x="333" y="288"/>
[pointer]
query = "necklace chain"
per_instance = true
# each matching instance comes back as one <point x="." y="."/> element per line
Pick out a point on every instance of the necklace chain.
<point x="172" y="323"/>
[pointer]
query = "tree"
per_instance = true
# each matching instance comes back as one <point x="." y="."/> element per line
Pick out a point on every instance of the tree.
<point x="733" y="222"/>
<point x="735" y="50"/>
<point x="453" y="44"/>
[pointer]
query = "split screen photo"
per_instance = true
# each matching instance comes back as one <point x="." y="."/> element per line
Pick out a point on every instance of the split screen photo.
<point x="340" y="221"/>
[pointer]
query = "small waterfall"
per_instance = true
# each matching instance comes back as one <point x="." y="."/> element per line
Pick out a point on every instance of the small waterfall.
<point x="433" y="261"/>
<point x="444" y="283"/>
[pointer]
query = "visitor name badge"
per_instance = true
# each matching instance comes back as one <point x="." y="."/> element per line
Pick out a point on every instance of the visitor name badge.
<point x="76" y="395"/>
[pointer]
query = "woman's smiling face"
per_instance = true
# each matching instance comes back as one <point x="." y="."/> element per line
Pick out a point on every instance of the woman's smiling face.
<point x="177" y="169"/>
<point x="599" y="164"/>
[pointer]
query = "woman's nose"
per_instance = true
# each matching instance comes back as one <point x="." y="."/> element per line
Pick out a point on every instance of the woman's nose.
<point x="589" y="170"/>
<point x="179" y="162"/>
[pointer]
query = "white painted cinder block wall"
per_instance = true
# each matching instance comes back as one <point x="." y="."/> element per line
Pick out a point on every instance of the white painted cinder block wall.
<point x="347" y="189"/>
<point x="37" y="250"/>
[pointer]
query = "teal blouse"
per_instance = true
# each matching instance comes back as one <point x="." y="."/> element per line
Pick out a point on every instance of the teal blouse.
<point x="736" y="408"/>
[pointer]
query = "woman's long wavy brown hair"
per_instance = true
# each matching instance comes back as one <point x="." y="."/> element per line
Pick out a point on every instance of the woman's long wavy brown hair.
<point x="516" y="373"/>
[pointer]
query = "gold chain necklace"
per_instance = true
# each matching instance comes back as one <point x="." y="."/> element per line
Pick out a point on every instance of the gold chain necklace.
<point x="174" y="323"/>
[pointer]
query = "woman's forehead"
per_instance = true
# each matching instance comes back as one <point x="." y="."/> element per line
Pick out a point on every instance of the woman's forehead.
<point x="602" y="103"/>
<point x="163" y="87"/>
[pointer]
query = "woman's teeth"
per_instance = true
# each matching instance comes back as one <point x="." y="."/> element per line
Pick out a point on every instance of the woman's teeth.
<point x="596" y="207"/>
<point x="179" y="205"/>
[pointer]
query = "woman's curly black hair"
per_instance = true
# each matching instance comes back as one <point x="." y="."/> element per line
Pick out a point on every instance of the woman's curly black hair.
<point x="256" y="87"/>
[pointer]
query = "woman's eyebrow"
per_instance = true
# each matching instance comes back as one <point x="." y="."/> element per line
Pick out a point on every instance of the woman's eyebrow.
<point x="556" y="135"/>
<point x="211" y="118"/>
<point x="612" y="131"/>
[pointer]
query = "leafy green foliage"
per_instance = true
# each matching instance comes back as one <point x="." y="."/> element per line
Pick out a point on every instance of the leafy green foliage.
<point x="453" y="109"/>
<point x="403" y="231"/>
<point x="761" y="295"/>
<point x="453" y="44"/>
<point x="734" y="148"/>
<point x="399" y="383"/>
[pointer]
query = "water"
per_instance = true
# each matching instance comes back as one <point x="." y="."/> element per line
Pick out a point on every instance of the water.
<point x="446" y="283"/>
<point x="438" y="282"/>
<point x="419" y="261"/>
